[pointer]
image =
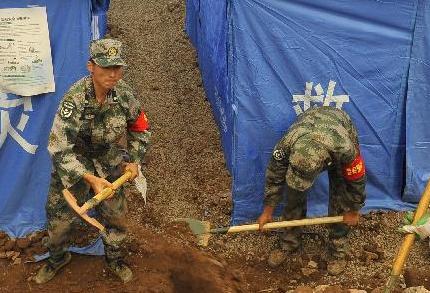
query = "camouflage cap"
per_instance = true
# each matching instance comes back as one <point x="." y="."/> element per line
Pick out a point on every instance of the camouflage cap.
<point x="306" y="161"/>
<point x="106" y="52"/>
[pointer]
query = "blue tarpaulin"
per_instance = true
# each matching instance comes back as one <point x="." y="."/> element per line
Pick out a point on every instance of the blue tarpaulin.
<point x="99" y="18"/>
<point x="24" y="177"/>
<point x="418" y="107"/>
<point x="264" y="62"/>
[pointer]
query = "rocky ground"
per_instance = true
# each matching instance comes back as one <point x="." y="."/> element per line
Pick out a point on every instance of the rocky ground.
<point x="187" y="178"/>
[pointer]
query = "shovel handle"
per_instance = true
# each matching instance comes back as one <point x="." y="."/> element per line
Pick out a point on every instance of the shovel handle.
<point x="283" y="224"/>
<point x="102" y="195"/>
<point x="71" y="200"/>
<point x="408" y="241"/>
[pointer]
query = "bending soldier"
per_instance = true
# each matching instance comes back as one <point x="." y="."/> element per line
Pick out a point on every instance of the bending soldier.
<point x="321" y="139"/>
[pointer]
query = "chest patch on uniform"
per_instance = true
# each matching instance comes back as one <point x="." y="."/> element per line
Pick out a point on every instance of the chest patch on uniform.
<point x="67" y="109"/>
<point x="278" y="155"/>
<point x="355" y="169"/>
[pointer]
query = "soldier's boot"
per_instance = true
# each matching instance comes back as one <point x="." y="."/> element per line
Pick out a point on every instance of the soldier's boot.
<point x="338" y="249"/>
<point x="121" y="270"/>
<point x="50" y="269"/>
<point x="289" y="242"/>
<point x="113" y="240"/>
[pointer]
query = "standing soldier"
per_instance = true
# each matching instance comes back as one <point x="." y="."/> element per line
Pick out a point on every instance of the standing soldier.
<point x="87" y="155"/>
<point x="321" y="139"/>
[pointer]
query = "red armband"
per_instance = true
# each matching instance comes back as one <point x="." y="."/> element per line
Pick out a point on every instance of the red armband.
<point x="355" y="169"/>
<point x="141" y="124"/>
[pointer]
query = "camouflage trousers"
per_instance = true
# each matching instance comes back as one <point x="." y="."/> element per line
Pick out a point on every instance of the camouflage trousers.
<point x="290" y="238"/>
<point x="62" y="219"/>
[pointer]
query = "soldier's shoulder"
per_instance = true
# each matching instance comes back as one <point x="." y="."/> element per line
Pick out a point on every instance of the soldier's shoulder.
<point x="73" y="101"/>
<point x="123" y="89"/>
<point x="125" y="95"/>
<point x="303" y="125"/>
<point x="77" y="91"/>
<point x="296" y="131"/>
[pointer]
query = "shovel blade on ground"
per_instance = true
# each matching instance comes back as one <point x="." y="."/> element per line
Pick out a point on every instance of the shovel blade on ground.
<point x="201" y="229"/>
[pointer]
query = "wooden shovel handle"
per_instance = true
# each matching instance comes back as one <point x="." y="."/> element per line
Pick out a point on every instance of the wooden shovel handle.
<point x="71" y="200"/>
<point x="409" y="239"/>
<point x="283" y="224"/>
<point x="102" y="195"/>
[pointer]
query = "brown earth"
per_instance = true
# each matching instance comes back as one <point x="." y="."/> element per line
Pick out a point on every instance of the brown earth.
<point x="187" y="178"/>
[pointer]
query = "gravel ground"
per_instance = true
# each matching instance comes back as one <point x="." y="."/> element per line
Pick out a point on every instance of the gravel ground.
<point x="186" y="169"/>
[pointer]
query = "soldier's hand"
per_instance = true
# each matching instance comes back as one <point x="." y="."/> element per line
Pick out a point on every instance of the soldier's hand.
<point x="265" y="217"/>
<point x="133" y="168"/>
<point x="100" y="184"/>
<point x="421" y="228"/>
<point x="351" y="218"/>
<point x="421" y="231"/>
<point x="409" y="218"/>
<point x="97" y="183"/>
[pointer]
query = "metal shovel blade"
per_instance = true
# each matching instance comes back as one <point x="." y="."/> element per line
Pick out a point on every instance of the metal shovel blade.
<point x="201" y="229"/>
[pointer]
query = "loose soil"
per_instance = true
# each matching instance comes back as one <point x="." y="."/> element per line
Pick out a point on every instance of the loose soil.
<point x="187" y="177"/>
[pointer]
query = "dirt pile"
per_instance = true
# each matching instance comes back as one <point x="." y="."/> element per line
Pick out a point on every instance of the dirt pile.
<point x="417" y="276"/>
<point x="21" y="249"/>
<point x="159" y="265"/>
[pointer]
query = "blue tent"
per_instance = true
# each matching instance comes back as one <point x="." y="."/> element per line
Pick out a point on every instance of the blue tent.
<point x="24" y="174"/>
<point x="264" y="62"/>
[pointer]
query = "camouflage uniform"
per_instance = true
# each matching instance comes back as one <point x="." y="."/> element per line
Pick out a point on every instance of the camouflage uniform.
<point x="321" y="139"/>
<point x="85" y="138"/>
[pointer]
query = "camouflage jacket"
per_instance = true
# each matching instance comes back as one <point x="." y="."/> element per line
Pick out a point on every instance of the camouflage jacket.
<point x="333" y="131"/>
<point x="85" y="137"/>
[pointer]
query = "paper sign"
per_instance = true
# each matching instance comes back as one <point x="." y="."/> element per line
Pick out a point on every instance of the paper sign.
<point x="25" y="52"/>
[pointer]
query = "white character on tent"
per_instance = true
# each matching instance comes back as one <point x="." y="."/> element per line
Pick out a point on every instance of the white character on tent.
<point x="7" y="128"/>
<point x="307" y="98"/>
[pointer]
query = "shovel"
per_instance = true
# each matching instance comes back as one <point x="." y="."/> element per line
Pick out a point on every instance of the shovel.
<point x="99" y="197"/>
<point x="202" y="229"/>
<point x="408" y="241"/>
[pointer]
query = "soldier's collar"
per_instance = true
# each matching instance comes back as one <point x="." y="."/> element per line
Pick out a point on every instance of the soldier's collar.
<point x="90" y="94"/>
<point x="112" y="97"/>
<point x="90" y="97"/>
